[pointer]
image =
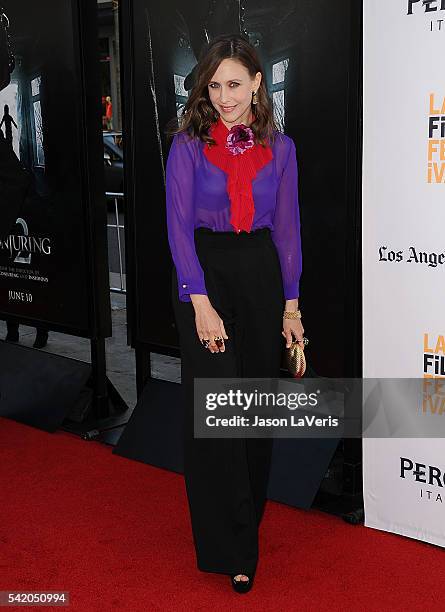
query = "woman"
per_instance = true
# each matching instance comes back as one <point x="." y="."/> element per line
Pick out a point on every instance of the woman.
<point x="234" y="234"/>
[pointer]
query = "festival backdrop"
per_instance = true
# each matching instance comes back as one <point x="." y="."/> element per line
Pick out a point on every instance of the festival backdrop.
<point x="53" y="256"/>
<point x="404" y="255"/>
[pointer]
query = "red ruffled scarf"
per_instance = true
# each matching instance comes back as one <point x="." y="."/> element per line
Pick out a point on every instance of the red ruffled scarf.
<point x="241" y="168"/>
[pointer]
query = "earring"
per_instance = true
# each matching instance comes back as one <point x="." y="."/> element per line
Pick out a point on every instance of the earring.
<point x="254" y="98"/>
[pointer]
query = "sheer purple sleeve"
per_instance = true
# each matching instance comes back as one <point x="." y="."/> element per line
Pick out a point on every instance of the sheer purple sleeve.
<point x="181" y="217"/>
<point x="286" y="232"/>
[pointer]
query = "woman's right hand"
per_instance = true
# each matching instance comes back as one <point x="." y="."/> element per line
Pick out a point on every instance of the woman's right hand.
<point x="208" y="322"/>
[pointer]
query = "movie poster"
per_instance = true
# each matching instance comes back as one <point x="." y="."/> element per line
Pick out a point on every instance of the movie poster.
<point x="43" y="249"/>
<point x="305" y="51"/>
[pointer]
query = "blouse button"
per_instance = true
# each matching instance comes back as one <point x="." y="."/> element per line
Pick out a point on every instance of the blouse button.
<point x="184" y="286"/>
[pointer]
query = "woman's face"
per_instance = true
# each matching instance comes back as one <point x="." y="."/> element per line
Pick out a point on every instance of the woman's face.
<point x="230" y="91"/>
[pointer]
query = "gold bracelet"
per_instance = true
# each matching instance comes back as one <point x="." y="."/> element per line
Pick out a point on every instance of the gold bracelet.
<point x="292" y="315"/>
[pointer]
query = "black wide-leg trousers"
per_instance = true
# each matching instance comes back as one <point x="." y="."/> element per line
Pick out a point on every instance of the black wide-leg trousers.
<point x="226" y="478"/>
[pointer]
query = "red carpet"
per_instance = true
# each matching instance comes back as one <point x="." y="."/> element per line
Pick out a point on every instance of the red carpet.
<point x="115" y="533"/>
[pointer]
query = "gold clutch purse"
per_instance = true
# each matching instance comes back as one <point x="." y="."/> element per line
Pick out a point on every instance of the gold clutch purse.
<point x="295" y="359"/>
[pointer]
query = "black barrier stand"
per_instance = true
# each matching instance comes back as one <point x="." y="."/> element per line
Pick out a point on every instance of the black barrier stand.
<point x="39" y="388"/>
<point x="107" y="403"/>
<point x="107" y="410"/>
<point x="108" y="407"/>
<point x="91" y="406"/>
<point x="90" y="401"/>
<point x="145" y="439"/>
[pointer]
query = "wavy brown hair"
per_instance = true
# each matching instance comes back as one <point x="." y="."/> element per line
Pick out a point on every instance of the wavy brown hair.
<point x="199" y="113"/>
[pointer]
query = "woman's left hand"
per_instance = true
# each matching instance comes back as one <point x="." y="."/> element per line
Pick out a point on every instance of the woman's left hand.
<point x="295" y="327"/>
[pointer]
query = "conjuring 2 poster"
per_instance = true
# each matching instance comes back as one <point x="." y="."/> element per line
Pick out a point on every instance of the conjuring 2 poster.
<point x="43" y="253"/>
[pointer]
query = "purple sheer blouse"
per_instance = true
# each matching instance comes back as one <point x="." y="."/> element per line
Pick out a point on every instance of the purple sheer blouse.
<point x="196" y="196"/>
